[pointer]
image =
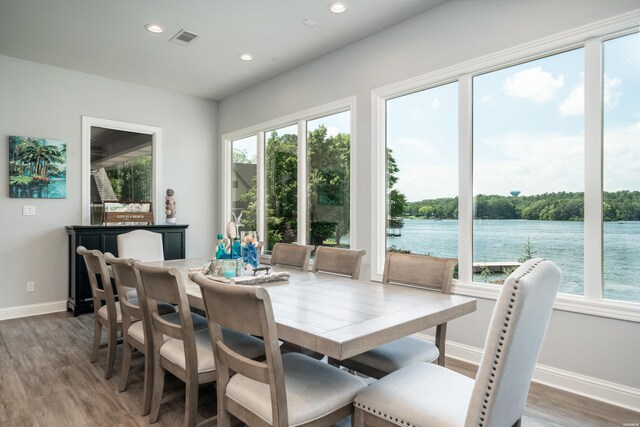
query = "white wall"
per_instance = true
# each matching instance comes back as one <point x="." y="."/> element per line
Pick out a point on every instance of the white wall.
<point x="42" y="101"/>
<point x="604" y="350"/>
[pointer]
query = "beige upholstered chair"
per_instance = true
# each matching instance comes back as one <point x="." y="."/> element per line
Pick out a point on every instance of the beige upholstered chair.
<point x="291" y="255"/>
<point x="290" y="389"/>
<point x="430" y="395"/>
<point x="184" y="352"/>
<point x="107" y="315"/>
<point x="136" y="330"/>
<point x="142" y="245"/>
<point x="412" y="270"/>
<point x="338" y="261"/>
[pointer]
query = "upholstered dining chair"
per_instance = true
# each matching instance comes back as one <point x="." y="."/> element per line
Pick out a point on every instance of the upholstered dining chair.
<point x="412" y="270"/>
<point x="291" y="255"/>
<point x="142" y="245"/>
<point x="285" y="390"/>
<point x="428" y="394"/>
<point x="184" y="352"/>
<point x="136" y="329"/>
<point x="108" y="315"/>
<point x="344" y="262"/>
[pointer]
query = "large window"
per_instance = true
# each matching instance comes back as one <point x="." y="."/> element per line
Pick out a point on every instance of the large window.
<point x="281" y="159"/>
<point x="244" y="181"/>
<point x="422" y="172"/>
<point x="621" y="171"/>
<point x="291" y="178"/>
<point x="528" y="173"/>
<point x="536" y="159"/>
<point x="328" y="182"/>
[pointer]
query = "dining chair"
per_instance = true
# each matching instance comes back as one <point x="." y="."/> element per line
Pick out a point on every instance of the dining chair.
<point x="142" y="245"/>
<point x="411" y="270"/>
<point x="284" y="390"/>
<point x="108" y="315"/>
<point x="136" y="329"/>
<point x="184" y="352"/>
<point x="428" y="394"/>
<point x="345" y="262"/>
<point x="291" y="255"/>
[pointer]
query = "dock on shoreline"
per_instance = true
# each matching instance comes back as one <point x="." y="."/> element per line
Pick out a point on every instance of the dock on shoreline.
<point x="495" y="266"/>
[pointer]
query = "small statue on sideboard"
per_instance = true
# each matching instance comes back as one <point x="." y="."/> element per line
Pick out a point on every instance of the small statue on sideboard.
<point x="170" y="207"/>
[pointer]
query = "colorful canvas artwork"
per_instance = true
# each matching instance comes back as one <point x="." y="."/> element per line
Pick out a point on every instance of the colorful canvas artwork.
<point x="37" y="168"/>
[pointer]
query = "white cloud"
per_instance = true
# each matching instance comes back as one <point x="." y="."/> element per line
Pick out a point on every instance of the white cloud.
<point x="573" y="105"/>
<point x="332" y="131"/>
<point x="611" y="95"/>
<point x="534" y="84"/>
<point x="488" y="98"/>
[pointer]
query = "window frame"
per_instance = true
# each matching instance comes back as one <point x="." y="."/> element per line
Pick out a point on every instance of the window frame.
<point x="261" y="130"/>
<point x="591" y="39"/>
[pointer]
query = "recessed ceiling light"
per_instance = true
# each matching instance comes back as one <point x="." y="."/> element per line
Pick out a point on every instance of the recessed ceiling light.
<point x="246" y="57"/>
<point x="154" y="28"/>
<point x="337" y="7"/>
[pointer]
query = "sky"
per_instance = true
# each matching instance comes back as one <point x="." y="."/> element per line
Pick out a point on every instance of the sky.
<point x="528" y="128"/>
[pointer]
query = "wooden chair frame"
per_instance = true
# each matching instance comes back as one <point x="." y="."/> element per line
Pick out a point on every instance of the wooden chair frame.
<point x="102" y="290"/>
<point x="248" y="309"/>
<point x="291" y="255"/>
<point x="338" y="261"/>
<point x="162" y="284"/>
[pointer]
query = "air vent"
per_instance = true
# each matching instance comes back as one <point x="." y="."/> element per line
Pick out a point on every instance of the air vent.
<point x="184" y="38"/>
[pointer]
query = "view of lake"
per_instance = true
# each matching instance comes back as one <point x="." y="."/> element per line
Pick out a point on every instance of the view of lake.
<point x="559" y="241"/>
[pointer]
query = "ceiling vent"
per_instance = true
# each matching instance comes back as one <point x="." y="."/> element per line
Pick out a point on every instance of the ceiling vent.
<point x="184" y="38"/>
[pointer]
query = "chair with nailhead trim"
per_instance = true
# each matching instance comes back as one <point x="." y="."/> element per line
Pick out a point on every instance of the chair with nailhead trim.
<point x="428" y="394"/>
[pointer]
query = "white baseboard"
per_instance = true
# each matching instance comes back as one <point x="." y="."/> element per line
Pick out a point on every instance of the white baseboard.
<point x="594" y="388"/>
<point x="32" y="309"/>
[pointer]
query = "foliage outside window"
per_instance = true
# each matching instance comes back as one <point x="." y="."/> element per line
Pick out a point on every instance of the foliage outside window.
<point x="328" y="183"/>
<point x="244" y="176"/>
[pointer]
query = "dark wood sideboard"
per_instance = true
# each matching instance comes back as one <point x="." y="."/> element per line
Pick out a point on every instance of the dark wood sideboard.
<point x="104" y="238"/>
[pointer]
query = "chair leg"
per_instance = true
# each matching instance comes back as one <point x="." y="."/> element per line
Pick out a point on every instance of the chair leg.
<point x="441" y="339"/>
<point x="126" y="366"/>
<point x="357" y="420"/>
<point x="190" y="403"/>
<point x="97" y="337"/>
<point x="111" y="352"/>
<point x="158" y="387"/>
<point x="147" y="388"/>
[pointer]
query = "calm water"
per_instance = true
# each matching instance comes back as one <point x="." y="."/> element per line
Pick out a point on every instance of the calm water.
<point x="560" y="241"/>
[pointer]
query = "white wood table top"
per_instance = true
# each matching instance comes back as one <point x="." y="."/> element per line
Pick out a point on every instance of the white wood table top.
<point x="341" y="317"/>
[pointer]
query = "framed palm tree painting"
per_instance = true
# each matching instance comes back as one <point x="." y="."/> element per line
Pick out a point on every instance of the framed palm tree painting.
<point x="37" y="168"/>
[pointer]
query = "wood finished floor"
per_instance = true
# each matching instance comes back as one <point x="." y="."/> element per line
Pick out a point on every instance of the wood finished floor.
<point x="46" y="380"/>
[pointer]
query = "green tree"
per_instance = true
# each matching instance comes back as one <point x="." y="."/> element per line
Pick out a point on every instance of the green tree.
<point x="397" y="200"/>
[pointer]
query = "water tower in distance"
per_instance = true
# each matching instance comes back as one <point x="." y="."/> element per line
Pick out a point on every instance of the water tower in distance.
<point x="515" y="193"/>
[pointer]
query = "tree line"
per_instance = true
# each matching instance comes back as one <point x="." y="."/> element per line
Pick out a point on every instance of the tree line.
<point x="563" y="206"/>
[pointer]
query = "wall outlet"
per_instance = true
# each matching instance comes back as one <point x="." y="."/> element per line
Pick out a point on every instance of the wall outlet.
<point x="28" y="210"/>
<point x="31" y="286"/>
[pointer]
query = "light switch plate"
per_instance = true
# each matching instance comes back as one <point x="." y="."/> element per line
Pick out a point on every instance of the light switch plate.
<point x="28" y="210"/>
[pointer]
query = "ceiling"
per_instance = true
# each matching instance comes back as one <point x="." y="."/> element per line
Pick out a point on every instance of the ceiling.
<point x="108" y="37"/>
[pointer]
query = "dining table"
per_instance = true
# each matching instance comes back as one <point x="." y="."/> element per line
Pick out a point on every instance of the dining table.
<point x="338" y="316"/>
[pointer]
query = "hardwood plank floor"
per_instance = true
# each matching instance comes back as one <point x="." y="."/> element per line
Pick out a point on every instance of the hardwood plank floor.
<point x="46" y="380"/>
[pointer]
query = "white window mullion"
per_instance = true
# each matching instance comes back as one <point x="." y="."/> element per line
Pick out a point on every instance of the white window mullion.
<point x="302" y="182"/>
<point x="593" y="111"/>
<point x="226" y="193"/>
<point x="261" y="216"/>
<point x="465" y="168"/>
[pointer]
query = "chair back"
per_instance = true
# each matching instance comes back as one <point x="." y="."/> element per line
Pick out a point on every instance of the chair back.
<point x="419" y="270"/>
<point x="244" y="309"/>
<point x="126" y="281"/>
<point x="165" y="284"/>
<point x="142" y="245"/>
<point x="291" y="255"/>
<point x="338" y="261"/>
<point x="100" y="281"/>
<point x="514" y="339"/>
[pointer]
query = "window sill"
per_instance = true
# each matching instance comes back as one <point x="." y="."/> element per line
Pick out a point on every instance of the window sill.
<point x="576" y="304"/>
